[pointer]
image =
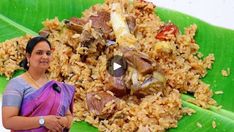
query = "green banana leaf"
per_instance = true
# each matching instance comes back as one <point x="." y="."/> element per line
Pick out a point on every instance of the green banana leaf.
<point x="20" y="17"/>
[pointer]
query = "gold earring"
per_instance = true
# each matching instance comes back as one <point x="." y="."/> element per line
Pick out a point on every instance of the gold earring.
<point x="28" y="64"/>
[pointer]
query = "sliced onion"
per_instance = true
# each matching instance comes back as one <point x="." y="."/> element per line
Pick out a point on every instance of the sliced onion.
<point x="159" y="77"/>
<point x="148" y="81"/>
<point x="110" y="42"/>
<point x="135" y="81"/>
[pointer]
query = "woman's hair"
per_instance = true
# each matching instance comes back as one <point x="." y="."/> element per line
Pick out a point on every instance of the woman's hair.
<point x="29" y="48"/>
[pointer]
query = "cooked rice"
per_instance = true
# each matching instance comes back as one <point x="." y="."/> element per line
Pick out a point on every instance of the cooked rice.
<point x="226" y="73"/>
<point x="218" y="92"/>
<point x="213" y="124"/>
<point x="97" y="97"/>
<point x="109" y="92"/>
<point x="178" y="59"/>
<point x="199" y="125"/>
<point x="188" y="111"/>
<point x="219" y="107"/>
<point x="11" y="53"/>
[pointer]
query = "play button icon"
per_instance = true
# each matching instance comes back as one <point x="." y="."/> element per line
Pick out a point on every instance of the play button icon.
<point x="116" y="66"/>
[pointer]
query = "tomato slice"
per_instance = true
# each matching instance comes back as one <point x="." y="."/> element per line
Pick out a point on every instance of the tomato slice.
<point x="166" y="31"/>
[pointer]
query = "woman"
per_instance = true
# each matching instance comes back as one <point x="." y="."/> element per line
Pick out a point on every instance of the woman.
<point x="33" y="103"/>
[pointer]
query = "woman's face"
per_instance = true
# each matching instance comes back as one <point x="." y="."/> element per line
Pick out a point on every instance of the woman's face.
<point x="40" y="57"/>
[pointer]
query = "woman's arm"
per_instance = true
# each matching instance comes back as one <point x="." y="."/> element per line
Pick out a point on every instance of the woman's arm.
<point x="11" y="120"/>
<point x="69" y="118"/>
<point x="66" y="121"/>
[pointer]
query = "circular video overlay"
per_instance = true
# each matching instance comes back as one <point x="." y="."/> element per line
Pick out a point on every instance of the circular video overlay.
<point x="117" y="66"/>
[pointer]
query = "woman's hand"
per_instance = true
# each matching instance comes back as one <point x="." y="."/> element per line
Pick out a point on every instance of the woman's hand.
<point x="63" y="121"/>
<point x="53" y="123"/>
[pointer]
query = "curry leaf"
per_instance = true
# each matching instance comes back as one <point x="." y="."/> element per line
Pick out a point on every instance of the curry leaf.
<point x="25" y="17"/>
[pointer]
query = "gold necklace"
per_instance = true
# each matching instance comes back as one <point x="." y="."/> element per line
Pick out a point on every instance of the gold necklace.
<point x="33" y="81"/>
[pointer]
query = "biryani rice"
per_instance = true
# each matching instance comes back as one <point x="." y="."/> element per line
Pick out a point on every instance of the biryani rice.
<point x="178" y="59"/>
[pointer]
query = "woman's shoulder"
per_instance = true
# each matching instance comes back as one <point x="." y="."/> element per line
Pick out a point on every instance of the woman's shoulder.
<point x="17" y="81"/>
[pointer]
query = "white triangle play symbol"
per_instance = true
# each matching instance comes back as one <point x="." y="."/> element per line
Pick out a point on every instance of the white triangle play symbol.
<point x="116" y="66"/>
